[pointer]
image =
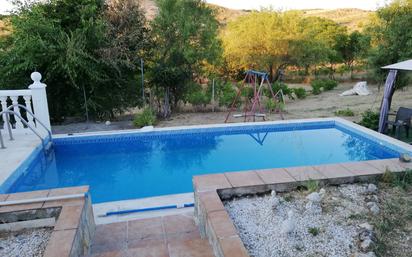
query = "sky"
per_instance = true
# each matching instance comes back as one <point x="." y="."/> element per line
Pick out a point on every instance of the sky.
<point x="276" y="4"/>
<point x="299" y="4"/>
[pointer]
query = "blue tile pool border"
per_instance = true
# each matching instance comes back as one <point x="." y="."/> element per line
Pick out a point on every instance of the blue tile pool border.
<point x="24" y="167"/>
<point x="229" y="130"/>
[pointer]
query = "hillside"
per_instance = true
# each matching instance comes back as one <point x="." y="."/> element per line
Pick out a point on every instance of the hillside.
<point x="351" y="18"/>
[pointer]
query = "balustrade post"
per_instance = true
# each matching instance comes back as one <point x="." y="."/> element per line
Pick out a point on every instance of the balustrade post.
<point x="27" y="101"/>
<point x="39" y="98"/>
<point x="16" y="109"/>
<point x="3" y="103"/>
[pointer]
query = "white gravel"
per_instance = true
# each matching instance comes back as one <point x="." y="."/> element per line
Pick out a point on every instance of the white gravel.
<point x="259" y="221"/>
<point x="26" y="243"/>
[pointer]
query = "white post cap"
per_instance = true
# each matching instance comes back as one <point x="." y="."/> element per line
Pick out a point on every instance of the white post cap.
<point x="36" y="77"/>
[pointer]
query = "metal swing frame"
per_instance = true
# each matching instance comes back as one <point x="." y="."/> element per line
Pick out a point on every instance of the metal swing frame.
<point x="255" y="109"/>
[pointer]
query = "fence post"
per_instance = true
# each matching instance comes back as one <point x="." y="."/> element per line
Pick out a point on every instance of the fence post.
<point x="39" y="99"/>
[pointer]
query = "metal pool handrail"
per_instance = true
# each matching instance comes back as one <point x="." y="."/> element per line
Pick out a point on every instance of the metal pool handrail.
<point x="33" y="116"/>
<point x="8" y="111"/>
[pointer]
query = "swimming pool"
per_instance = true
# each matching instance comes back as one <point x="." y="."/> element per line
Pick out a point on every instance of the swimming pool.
<point x="154" y="163"/>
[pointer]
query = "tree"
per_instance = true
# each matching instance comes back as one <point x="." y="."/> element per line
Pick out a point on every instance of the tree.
<point x="185" y="35"/>
<point x="391" y="36"/>
<point x="352" y="47"/>
<point x="74" y="44"/>
<point x="317" y="44"/>
<point x="270" y="40"/>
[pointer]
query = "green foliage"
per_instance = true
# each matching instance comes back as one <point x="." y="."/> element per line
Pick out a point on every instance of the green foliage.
<point x="270" y="105"/>
<point x="370" y="119"/>
<point x="146" y="118"/>
<point x="197" y="96"/>
<point x="269" y="40"/>
<point x="80" y="47"/>
<point x="352" y="47"/>
<point x="388" y="177"/>
<point x="300" y="92"/>
<point x="316" y="87"/>
<point x="277" y="86"/>
<point x="185" y="35"/>
<point x="314" y="231"/>
<point x="390" y="33"/>
<point x="247" y="92"/>
<point x="404" y="180"/>
<point x="323" y="84"/>
<point x="401" y="180"/>
<point x="345" y="112"/>
<point x="392" y="221"/>
<point x="227" y="94"/>
<point x="273" y="105"/>
<point x="312" y="185"/>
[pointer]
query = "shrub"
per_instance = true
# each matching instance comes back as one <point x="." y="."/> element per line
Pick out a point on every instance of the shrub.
<point x="316" y="87"/>
<point x="323" y="84"/>
<point x="345" y="112"/>
<point x="273" y="106"/>
<point x="197" y="96"/>
<point x="370" y="119"/>
<point x="314" y="231"/>
<point x="300" y="92"/>
<point x="329" y="84"/>
<point x="145" y="118"/>
<point x="312" y="185"/>
<point x="248" y="92"/>
<point x="281" y="86"/>
<point x="227" y="94"/>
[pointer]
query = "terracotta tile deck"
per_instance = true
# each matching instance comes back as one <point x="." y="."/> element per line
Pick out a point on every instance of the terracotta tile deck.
<point x="169" y="236"/>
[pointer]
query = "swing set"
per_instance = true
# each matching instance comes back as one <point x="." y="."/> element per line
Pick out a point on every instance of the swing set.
<point x="253" y="107"/>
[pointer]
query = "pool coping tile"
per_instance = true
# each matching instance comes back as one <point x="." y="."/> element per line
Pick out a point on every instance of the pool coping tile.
<point x="210" y="200"/>
<point x="275" y="176"/>
<point x="69" y="218"/>
<point x="233" y="246"/>
<point x="362" y="170"/>
<point x="305" y="173"/>
<point x="244" y="179"/>
<point x="221" y="224"/>
<point x="60" y="243"/>
<point x="210" y="182"/>
<point x="335" y="174"/>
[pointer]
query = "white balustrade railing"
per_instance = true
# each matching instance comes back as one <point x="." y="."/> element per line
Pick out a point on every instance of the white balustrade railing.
<point x="34" y="99"/>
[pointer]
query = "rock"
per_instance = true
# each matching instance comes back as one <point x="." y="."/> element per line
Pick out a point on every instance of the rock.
<point x="366" y="226"/>
<point x="369" y="254"/>
<point x="371" y="198"/>
<point x="373" y="207"/>
<point x="274" y="199"/>
<point x="366" y="245"/>
<point x="313" y="207"/>
<point x="322" y="192"/>
<point x="288" y="225"/>
<point x="314" y="197"/>
<point x="405" y="157"/>
<point x="372" y="188"/>
<point x="108" y="123"/>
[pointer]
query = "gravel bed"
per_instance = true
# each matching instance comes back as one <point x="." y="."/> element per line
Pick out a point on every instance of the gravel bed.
<point x="25" y="243"/>
<point x="301" y="224"/>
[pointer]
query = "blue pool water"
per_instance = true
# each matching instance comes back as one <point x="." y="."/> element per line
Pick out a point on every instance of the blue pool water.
<point x="129" y="166"/>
